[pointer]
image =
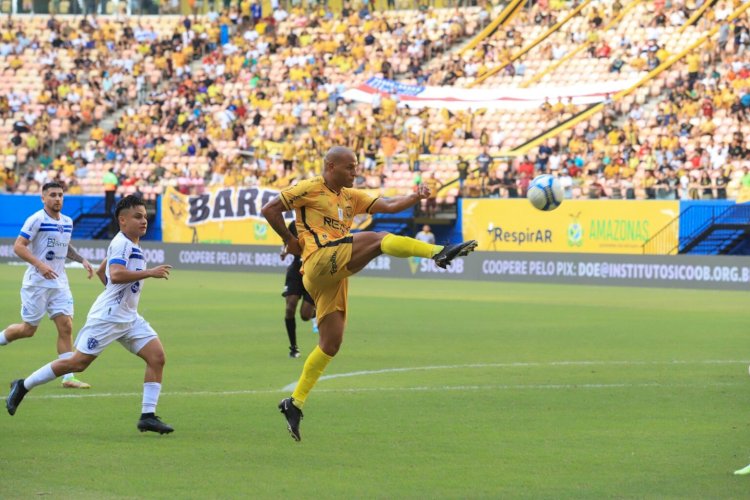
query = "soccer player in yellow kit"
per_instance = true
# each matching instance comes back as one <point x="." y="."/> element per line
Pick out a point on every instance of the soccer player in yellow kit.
<point x="325" y="206"/>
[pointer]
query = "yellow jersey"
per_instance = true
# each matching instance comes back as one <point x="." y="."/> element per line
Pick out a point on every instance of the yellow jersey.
<point x="324" y="217"/>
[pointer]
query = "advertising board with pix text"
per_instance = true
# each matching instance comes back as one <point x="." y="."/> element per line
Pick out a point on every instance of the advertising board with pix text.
<point x="576" y="226"/>
<point x="681" y="271"/>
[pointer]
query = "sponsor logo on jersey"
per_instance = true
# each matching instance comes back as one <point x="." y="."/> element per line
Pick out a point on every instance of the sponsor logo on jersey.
<point x="334" y="224"/>
<point x="334" y="264"/>
<point x="52" y="243"/>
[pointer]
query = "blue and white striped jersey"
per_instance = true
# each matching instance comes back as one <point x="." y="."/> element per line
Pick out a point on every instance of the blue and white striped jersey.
<point x="49" y="239"/>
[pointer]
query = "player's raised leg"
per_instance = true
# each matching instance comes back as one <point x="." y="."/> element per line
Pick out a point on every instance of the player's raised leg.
<point x="77" y="363"/>
<point x="153" y="354"/>
<point x="403" y="246"/>
<point x="64" y="324"/>
<point x="367" y="245"/>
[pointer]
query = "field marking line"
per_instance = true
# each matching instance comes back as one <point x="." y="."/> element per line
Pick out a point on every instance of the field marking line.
<point x="289" y="387"/>
<point x="493" y="387"/>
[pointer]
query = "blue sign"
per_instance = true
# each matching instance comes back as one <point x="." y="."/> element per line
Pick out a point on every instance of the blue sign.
<point x="392" y="87"/>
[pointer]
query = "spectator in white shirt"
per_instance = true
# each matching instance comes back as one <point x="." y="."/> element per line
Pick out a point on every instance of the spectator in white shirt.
<point x="497" y="138"/>
<point x="280" y="15"/>
<point x="426" y="235"/>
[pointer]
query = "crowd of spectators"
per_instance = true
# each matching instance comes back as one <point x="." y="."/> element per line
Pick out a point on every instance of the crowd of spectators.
<point x="62" y="76"/>
<point x="243" y="97"/>
<point x="246" y="98"/>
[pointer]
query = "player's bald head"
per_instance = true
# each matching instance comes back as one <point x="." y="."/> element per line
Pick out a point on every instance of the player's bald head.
<point x="340" y="168"/>
<point x="337" y="155"/>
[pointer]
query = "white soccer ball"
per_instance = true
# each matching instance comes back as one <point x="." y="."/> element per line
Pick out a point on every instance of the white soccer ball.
<point x="545" y="192"/>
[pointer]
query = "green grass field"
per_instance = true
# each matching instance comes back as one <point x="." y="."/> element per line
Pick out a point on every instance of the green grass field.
<point x="467" y="390"/>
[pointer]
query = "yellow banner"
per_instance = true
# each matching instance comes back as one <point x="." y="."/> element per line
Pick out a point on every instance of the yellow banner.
<point x="220" y="215"/>
<point x="580" y="226"/>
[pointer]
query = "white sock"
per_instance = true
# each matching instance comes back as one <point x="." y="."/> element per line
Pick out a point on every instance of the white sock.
<point x="66" y="355"/>
<point x="39" y="377"/>
<point x="3" y="340"/>
<point x="151" y="392"/>
<point x="314" y="322"/>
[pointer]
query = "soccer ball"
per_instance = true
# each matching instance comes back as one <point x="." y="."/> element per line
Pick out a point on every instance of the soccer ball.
<point x="545" y="192"/>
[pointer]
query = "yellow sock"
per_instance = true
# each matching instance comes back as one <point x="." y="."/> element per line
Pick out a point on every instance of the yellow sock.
<point x="401" y="246"/>
<point x="314" y="365"/>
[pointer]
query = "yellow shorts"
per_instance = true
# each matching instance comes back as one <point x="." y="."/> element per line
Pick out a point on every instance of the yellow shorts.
<point x="324" y="275"/>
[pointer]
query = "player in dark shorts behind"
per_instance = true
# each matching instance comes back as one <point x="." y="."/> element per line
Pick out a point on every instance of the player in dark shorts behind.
<point x="293" y="290"/>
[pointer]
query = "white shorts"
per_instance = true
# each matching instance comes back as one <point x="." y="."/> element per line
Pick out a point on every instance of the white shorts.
<point x="97" y="334"/>
<point x="36" y="301"/>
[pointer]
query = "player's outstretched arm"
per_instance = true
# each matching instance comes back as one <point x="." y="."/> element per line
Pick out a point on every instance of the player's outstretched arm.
<point x="120" y="274"/>
<point x="76" y="257"/>
<point x="273" y="211"/>
<point x="21" y="248"/>
<point x="399" y="203"/>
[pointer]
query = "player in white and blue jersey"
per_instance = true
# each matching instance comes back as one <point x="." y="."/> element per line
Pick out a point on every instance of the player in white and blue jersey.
<point x="114" y="317"/>
<point x="44" y="242"/>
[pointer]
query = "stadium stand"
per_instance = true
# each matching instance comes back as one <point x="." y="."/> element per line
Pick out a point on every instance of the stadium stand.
<point x="227" y="99"/>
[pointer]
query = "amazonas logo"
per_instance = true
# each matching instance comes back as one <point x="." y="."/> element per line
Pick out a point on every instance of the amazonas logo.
<point x="260" y="231"/>
<point x="610" y="231"/>
<point x="575" y="231"/>
<point x="634" y="231"/>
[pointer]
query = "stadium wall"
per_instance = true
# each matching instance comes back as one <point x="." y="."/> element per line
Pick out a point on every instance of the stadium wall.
<point x="16" y="208"/>
<point x="683" y="271"/>
<point x="695" y="213"/>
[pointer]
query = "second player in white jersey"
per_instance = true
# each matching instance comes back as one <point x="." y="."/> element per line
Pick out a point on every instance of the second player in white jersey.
<point x="49" y="239"/>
